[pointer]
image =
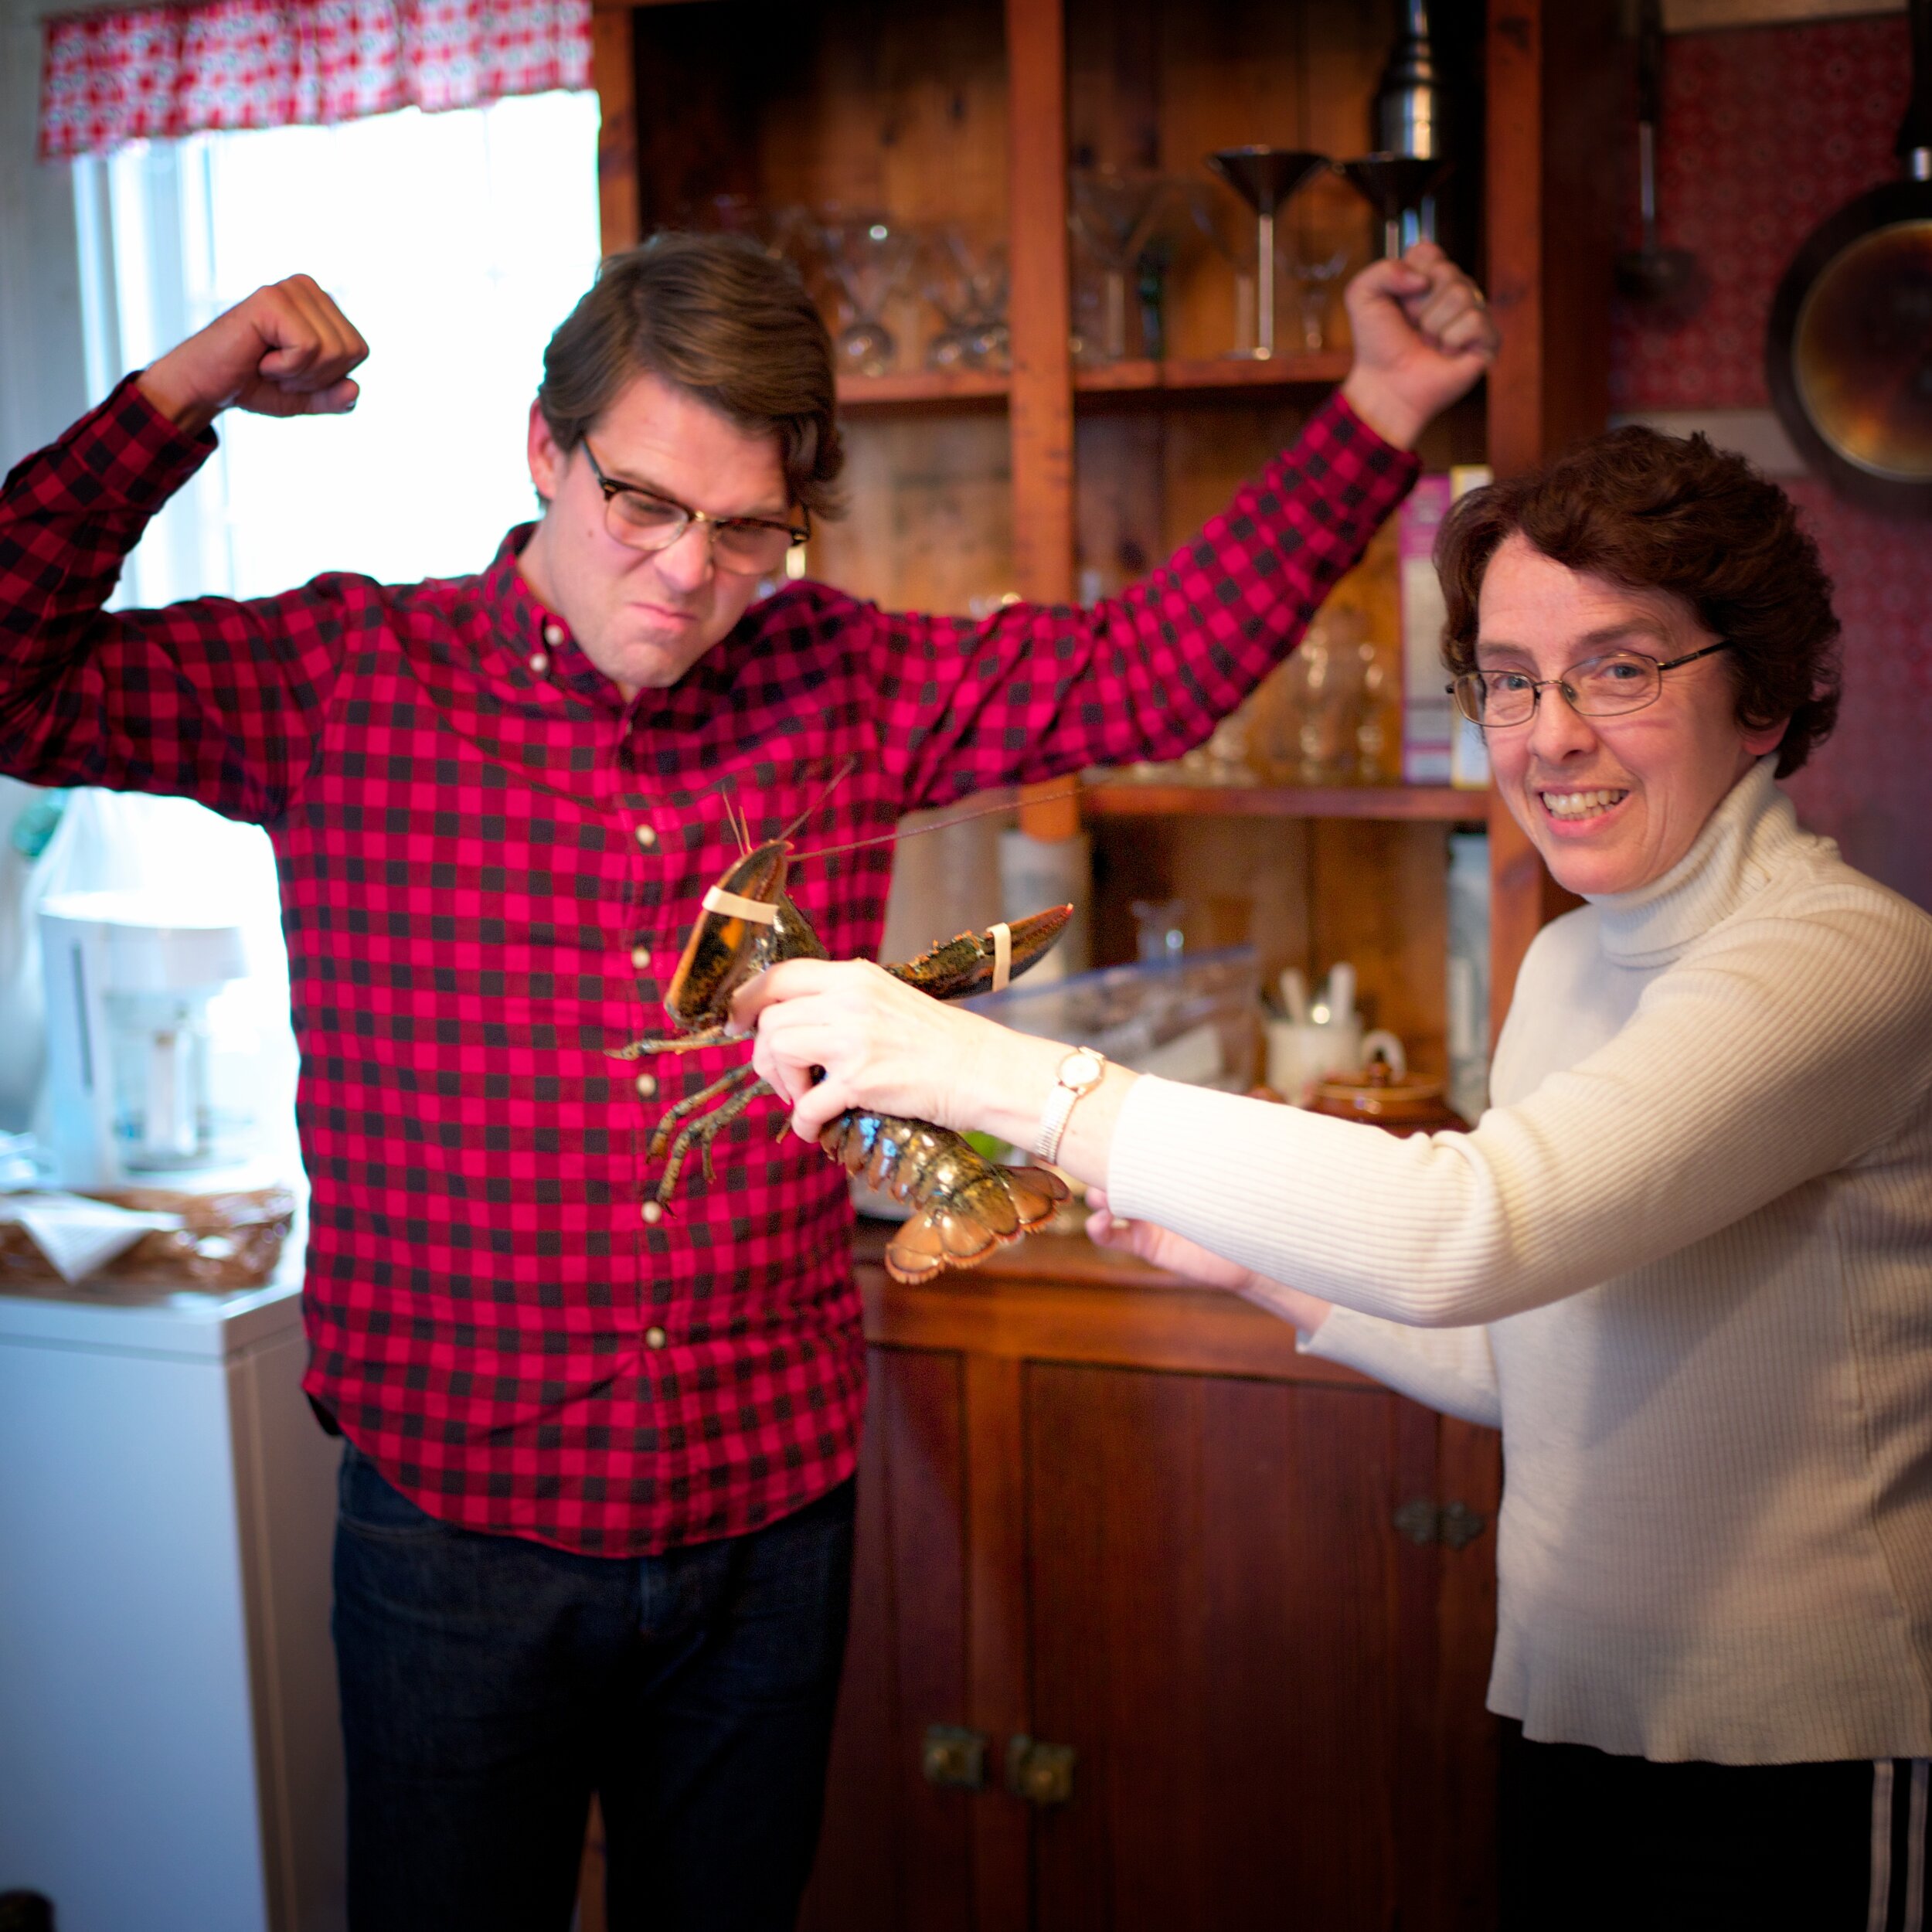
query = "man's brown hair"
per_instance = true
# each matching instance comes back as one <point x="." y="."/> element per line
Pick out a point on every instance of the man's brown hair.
<point x="723" y="321"/>
<point x="1656" y="512"/>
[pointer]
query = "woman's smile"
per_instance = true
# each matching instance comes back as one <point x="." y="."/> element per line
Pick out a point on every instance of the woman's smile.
<point x="1570" y="807"/>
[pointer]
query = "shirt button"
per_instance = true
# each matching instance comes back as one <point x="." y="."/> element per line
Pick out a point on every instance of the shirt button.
<point x="646" y="1084"/>
<point x="538" y="662"/>
<point x="553" y="634"/>
<point x="654" y="1338"/>
<point x="653" y="1213"/>
<point x="646" y="836"/>
<point x="640" y="957"/>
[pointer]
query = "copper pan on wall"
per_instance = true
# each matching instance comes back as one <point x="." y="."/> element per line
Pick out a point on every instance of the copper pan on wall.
<point x="1848" y="352"/>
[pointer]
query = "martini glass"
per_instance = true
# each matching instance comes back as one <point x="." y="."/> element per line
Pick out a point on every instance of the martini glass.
<point x="1223" y="220"/>
<point x="1401" y="189"/>
<point x="1265" y="179"/>
<point x="1114" y="212"/>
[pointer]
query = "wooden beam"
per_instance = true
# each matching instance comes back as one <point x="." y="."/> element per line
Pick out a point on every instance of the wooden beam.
<point x="1552" y="104"/>
<point x="1040" y="401"/>
<point x="613" y="73"/>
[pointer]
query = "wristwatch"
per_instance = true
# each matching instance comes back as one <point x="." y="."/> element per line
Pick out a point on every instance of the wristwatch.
<point x="1081" y="1069"/>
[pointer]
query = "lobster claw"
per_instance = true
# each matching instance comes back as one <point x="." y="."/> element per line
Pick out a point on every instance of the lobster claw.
<point x="721" y="949"/>
<point x="963" y="966"/>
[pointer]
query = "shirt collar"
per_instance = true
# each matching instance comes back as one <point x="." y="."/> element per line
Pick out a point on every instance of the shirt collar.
<point x="542" y="645"/>
<point x="540" y="641"/>
<point x="1731" y="860"/>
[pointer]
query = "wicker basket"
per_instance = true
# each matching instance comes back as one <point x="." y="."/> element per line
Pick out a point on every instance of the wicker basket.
<point x="231" y="1240"/>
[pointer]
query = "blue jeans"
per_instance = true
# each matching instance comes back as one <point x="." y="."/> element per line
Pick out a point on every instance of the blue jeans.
<point x="490" y="1685"/>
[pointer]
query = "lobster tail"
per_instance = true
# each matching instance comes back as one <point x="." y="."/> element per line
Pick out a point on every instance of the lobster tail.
<point x="964" y="1206"/>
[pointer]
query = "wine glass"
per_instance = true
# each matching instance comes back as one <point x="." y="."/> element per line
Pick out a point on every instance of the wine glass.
<point x="1314" y="282"/>
<point x="869" y="257"/>
<point x="967" y="284"/>
<point x="1266" y="178"/>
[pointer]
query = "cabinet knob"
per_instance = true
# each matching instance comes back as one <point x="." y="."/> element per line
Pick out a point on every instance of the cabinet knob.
<point x="953" y="1758"/>
<point x="1455" y="1523"/>
<point x="1041" y="1773"/>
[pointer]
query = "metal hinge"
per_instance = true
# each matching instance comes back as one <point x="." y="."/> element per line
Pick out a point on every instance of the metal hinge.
<point x="1041" y="1773"/>
<point x="953" y="1757"/>
<point x="1455" y="1524"/>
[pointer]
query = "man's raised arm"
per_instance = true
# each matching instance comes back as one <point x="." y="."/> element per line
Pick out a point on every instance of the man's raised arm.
<point x="287" y="351"/>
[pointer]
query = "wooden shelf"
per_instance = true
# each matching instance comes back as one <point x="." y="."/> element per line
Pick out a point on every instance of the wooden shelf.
<point x="1223" y="373"/>
<point x="937" y="389"/>
<point x="921" y="388"/>
<point x="1135" y="799"/>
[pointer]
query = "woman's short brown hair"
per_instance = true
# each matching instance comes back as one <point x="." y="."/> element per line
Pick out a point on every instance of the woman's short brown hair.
<point x="723" y="321"/>
<point x="1656" y="512"/>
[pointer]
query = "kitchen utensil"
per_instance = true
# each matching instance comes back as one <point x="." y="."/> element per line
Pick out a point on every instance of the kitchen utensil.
<point x="1650" y="273"/>
<point x="1294" y="996"/>
<point x="1849" y="348"/>
<point x="1336" y="1006"/>
<point x="1266" y="178"/>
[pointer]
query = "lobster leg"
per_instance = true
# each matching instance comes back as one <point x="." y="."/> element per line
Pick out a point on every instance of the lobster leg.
<point x="676" y="1043"/>
<point x="694" y="1104"/>
<point x="704" y="1129"/>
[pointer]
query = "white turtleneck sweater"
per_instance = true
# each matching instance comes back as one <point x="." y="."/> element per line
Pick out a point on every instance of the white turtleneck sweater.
<point x="1685" y="1262"/>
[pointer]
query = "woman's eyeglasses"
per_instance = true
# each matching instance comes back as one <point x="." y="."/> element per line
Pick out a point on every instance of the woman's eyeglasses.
<point x="1604" y="687"/>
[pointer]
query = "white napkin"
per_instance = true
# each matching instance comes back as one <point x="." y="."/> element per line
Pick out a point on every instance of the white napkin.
<point x="77" y="1235"/>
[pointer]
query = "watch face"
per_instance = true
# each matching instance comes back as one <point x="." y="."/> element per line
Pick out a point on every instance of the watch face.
<point x="1081" y="1069"/>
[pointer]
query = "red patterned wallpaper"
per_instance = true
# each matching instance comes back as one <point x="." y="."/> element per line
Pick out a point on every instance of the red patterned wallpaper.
<point x="1767" y="131"/>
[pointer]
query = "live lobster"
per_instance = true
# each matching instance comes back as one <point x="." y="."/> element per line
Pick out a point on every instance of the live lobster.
<point x="963" y="1205"/>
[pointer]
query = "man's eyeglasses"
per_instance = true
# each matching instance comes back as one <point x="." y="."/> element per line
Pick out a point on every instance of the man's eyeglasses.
<point x="642" y="520"/>
<point x="1603" y="687"/>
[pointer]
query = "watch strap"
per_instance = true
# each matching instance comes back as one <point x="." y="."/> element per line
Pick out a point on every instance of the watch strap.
<point x="1060" y="1103"/>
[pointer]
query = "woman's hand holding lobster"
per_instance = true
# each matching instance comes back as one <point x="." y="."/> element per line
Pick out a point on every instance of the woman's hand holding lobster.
<point x="882" y="1045"/>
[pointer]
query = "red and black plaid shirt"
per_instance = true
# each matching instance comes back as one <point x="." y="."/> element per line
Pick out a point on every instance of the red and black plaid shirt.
<point x="489" y="862"/>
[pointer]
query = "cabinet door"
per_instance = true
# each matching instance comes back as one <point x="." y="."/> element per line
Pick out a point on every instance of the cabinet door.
<point x="1243" y="1651"/>
<point x="896" y="1850"/>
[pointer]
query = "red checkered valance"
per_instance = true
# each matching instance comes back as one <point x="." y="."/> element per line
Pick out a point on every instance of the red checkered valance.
<point x="147" y="73"/>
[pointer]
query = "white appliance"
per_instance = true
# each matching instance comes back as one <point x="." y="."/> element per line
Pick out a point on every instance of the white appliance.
<point x="129" y="983"/>
<point x="170" y="1755"/>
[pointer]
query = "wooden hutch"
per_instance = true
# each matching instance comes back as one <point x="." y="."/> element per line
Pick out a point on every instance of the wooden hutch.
<point x="1156" y="1623"/>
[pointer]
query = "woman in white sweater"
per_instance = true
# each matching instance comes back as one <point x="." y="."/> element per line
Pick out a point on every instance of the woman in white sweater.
<point x="1684" y="1261"/>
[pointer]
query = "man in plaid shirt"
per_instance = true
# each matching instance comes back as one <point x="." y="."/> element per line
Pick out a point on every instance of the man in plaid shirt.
<point x="596" y="1497"/>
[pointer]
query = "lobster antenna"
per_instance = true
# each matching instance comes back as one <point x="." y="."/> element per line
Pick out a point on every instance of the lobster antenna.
<point x="837" y="778"/>
<point x="739" y="830"/>
<point x="1002" y="801"/>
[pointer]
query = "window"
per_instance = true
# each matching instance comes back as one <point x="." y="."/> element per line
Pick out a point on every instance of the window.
<point x="456" y="243"/>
